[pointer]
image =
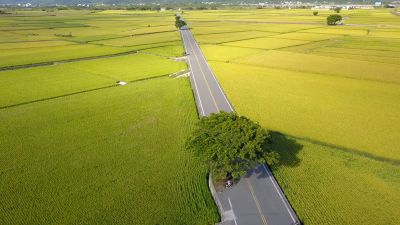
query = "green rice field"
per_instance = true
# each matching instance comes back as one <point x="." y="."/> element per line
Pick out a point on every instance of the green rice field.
<point x="76" y="147"/>
<point x="333" y="91"/>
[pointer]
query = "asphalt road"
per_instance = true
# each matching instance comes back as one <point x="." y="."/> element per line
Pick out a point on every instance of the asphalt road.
<point x="208" y="93"/>
<point x="257" y="198"/>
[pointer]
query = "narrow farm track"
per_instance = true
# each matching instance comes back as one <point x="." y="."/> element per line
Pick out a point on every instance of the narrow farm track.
<point x="257" y="198"/>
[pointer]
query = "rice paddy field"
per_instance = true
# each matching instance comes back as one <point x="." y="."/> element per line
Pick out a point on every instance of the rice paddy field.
<point x="334" y="91"/>
<point x="76" y="148"/>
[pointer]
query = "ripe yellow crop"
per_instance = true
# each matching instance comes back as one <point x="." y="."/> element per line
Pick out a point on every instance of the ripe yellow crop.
<point x="333" y="92"/>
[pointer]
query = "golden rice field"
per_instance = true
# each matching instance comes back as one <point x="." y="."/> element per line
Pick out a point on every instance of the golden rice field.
<point x="76" y="147"/>
<point x="334" y="91"/>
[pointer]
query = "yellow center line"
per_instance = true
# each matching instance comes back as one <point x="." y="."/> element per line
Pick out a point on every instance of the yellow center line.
<point x="202" y="72"/>
<point x="264" y="221"/>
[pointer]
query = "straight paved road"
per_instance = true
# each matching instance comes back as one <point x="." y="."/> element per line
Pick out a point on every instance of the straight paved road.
<point x="257" y="199"/>
<point x="208" y="93"/>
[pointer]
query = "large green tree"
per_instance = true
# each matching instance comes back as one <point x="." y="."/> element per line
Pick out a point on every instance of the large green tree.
<point x="227" y="142"/>
<point x="179" y="23"/>
<point x="333" y="19"/>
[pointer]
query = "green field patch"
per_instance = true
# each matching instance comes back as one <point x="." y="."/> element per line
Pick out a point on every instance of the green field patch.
<point x="385" y="34"/>
<point x="340" y="153"/>
<point x="48" y="24"/>
<point x="135" y="40"/>
<point x="31" y="35"/>
<point x="369" y="58"/>
<point x="360" y="54"/>
<point x="343" y="185"/>
<point x="45" y="34"/>
<point x="325" y="65"/>
<point x="26" y="85"/>
<point x="155" y="45"/>
<point x="77" y="33"/>
<point x="280" y="28"/>
<point x="12" y="57"/>
<point x="168" y="51"/>
<point x="382" y="18"/>
<point x="80" y="149"/>
<point x="339" y="31"/>
<point x="112" y="155"/>
<point x="265" y="43"/>
<point x="342" y="48"/>
<point x="369" y="43"/>
<point x="316" y="106"/>
<point x="86" y="39"/>
<point x="306" y="36"/>
<point x="32" y="44"/>
<point x="197" y="30"/>
<point x="149" y="30"/>
<point x="228" y="37"/>
<point x="314" y="45"/>
<point x="226" y="53"/>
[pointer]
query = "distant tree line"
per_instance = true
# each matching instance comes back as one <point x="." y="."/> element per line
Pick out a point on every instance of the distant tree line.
<point x="144" y="7"/>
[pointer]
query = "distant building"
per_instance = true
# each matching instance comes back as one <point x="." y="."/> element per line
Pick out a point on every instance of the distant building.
<point x="343" y="7"/>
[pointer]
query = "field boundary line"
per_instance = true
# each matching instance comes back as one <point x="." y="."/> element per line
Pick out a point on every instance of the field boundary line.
<point x="245" y="39"/>
<point x="368" y="49"/>
<point x="29" y="41"/>
<point x="361" y="153"/>
<point x="122" y="36"/>
<point x="81" y="92"/>
<point x="121" y="46"/>
<point x="225" y="32"/>
<point x="315" y="73"/>
<point x="63" y="45"/>
<point x="50" y="63"/>
<point x="267" y="49"/>
<point x="11" y="30"/>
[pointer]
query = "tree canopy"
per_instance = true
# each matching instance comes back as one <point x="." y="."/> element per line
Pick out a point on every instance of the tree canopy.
<point x="333" y="19"/>
<point x="179" y="23"/>
<point x="231" y="143"/>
